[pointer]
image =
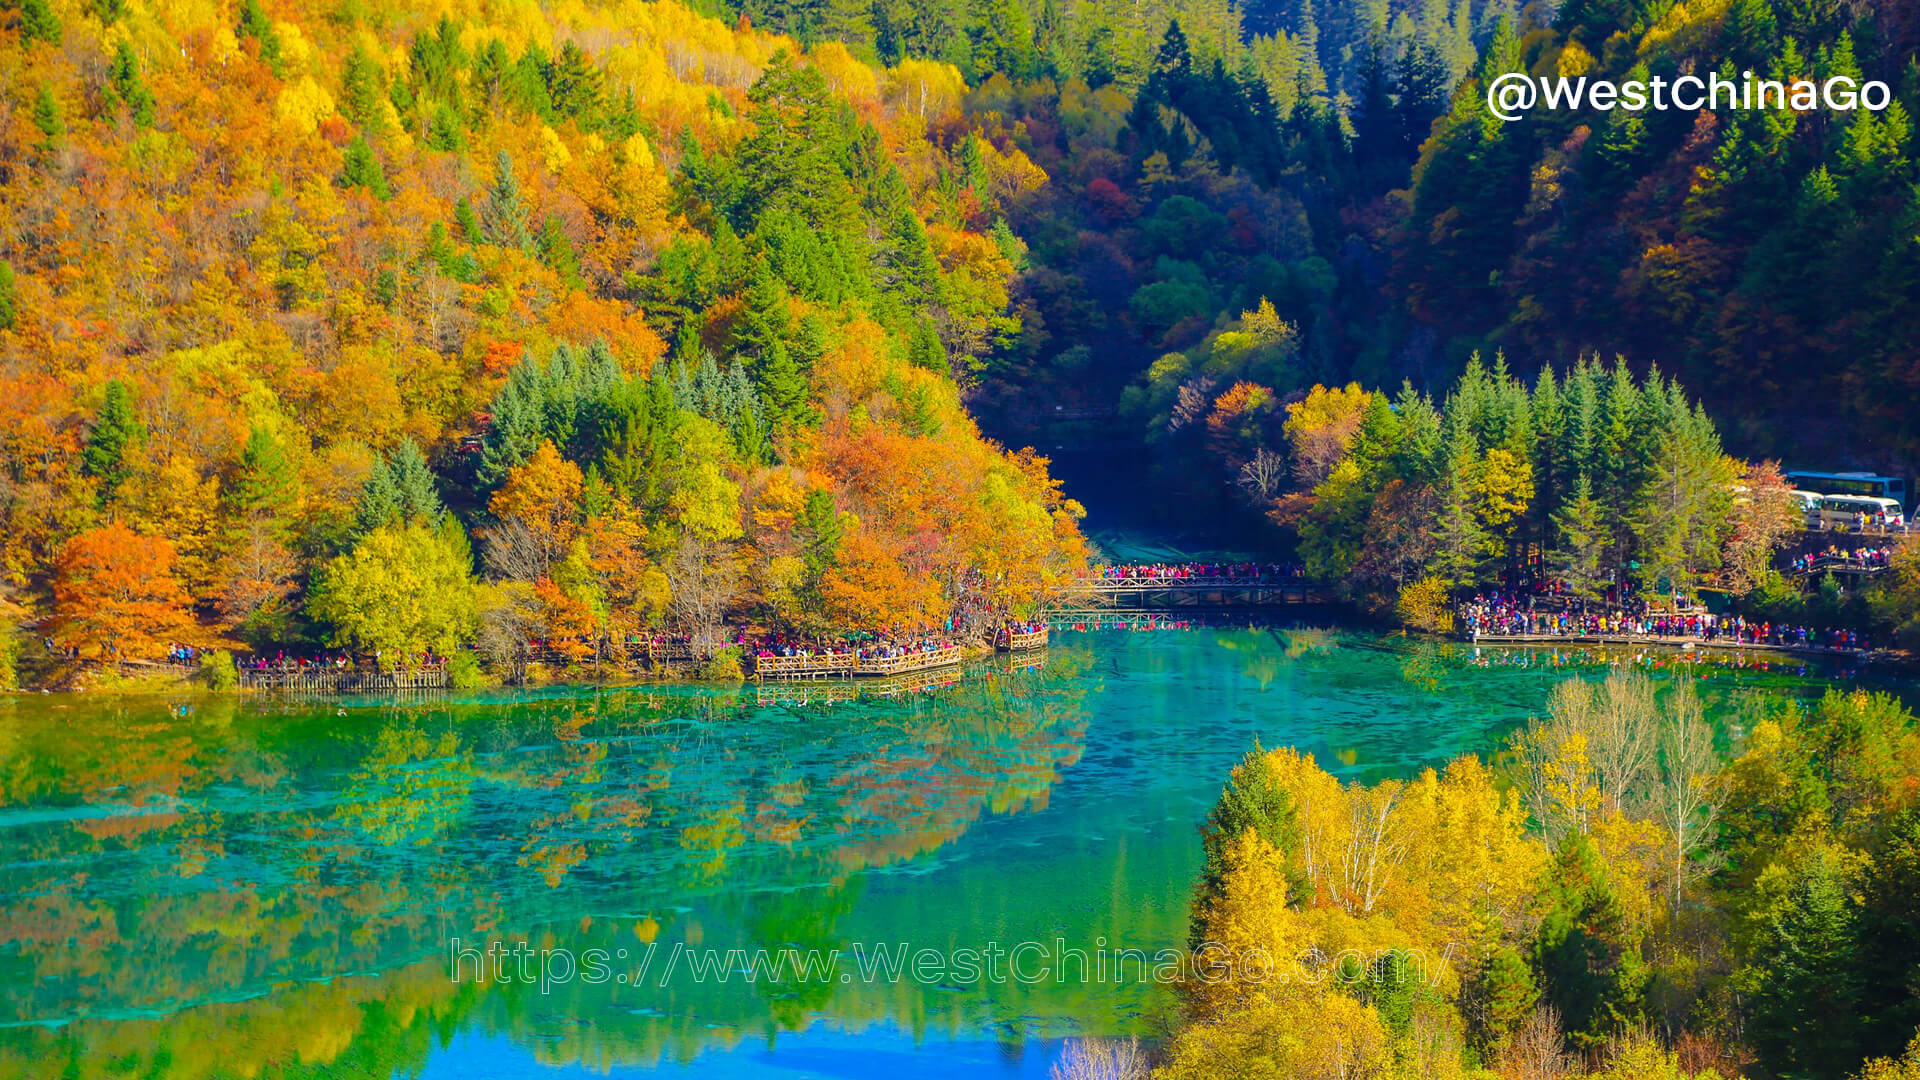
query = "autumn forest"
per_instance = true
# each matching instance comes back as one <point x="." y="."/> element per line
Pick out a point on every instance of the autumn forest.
<point x="1049" y="356"/>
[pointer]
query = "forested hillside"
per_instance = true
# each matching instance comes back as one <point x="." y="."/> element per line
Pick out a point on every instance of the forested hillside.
<point x="637" y="316"/>
<point x="287" y="290"/>
<point x="1768" y="258"/>
<point x="1337" y="159"/>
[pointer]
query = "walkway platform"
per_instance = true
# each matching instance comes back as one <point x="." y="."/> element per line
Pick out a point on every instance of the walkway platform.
<point x="1165" y="594"/>
<point x="326" y="680"/>
<point x="1020" y="642"/>
<point x="1701" y="644"/>
<point x="848" y="664"/>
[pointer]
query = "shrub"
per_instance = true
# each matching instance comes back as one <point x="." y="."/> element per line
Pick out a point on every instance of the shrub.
<point x="217" y="670"/>
<point x="463" y="672"/>
<point x="722" y="666"/>
<point x="1424" y="605"/>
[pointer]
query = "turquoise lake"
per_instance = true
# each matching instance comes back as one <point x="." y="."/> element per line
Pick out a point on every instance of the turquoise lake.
<point x="205" y="888"/>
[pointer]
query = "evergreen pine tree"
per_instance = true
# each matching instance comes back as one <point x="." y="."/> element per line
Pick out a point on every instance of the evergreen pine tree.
<point x="556" y="251"/>
<point x="1805" y="1012"/>
<point x="467" y="221"/>
<point x="117" y="431"/>
<point x="9" y="300"/>
<point x="821" y="531"/>
<point x="516" y="427"/>
<point x="504" y="218"/>
<point x="361" y="99"/>
<point x="38" y="22"/>
<point x="749" y="423"/>
<point x="1586" y="950"/>
<point x="1496" y="998"/>
<point x="574" y="86"/>
<point x="1461" y="542"/>
<point x="1580" y="543"/>
<point x="47" y="119"/>
<point x="263" y="484"/>
<point x="783" y="386"/>
<point x="255" y="24"/>
<point x="361" y="168"/>
<point x="379" y="502"/>
<point x="766" y="318"/>
<point x="126" y="86"/>
<point x="1250" y="800"/>
<point x="413" y="483"/>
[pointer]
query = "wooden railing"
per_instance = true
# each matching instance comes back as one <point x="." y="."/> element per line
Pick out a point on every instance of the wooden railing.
<point x="1176" y="592"/>
<point x="842" y="664"/>
<point x="804" y="667"/>
<point x="1025" y="639"/>
<point x="911" y="661"/>
<point x="322" y="679"/>
<point x="1839" y="565"/>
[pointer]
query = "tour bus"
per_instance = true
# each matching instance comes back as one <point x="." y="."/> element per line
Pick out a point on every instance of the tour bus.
<point x="1809" y="504"/>
<point x="1843" y="511"/>
<point x="1851" y="483"/>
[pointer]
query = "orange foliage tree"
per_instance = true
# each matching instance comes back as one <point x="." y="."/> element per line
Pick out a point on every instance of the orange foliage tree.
<point x="116" y="597"/>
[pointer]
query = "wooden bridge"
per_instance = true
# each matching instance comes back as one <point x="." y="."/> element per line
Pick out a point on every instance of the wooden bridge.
<point x="1166" y="594"/>
<point x="326" y="679"/>
<point x="1688" y="642"/>
<point x="1830" y="565"/>
<point x="845" y="664"/>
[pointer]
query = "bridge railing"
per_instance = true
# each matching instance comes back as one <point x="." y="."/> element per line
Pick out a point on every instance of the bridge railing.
<point x="911" y="661"/>
<point x="1841" y="565"/>
<point x="324" y="679"/>
<point x="820" y="665"/>
<point x="1141" y="584"/>
<point x="1026" y="639"/>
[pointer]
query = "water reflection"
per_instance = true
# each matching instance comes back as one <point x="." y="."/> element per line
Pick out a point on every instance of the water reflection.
<point x="157" y="857"/>
<point x="204" y="888"/>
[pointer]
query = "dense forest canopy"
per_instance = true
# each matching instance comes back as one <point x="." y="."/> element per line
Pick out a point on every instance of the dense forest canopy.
<point x="637" y="315"/>
<point x="1338" y="160"/>
<point x="642" y="313"/>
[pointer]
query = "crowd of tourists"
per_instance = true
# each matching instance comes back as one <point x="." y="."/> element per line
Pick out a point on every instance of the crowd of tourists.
<point x="878" y="649"/>
<point x="1497" y="616"/>
<point x="1201" y="571"/>
<point x="1861" y="558"/>
<point x="284" y="663"/>
<point x="1004" y="637"/>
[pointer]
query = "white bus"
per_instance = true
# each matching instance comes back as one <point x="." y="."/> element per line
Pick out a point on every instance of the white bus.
<point x="1843" y="512"/>
<point x="1809" y="504"/>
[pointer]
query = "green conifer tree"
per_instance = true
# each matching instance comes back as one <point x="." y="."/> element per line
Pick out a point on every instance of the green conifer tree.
<point x="504" y="218"/>
<point x="47" y="119"/>
<point x="9" y="299"/>
<point x="38" y="22"/>
<point x="125" y="85"/>
<point x="255" y="24"/>
<point x="361" y="168"/>
<point x="116" y="433"/>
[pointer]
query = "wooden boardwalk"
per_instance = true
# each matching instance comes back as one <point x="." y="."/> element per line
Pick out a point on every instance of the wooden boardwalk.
<point x="330" y="680"/>
<point x="847" y="664"/>
<point x="1699" y="643"/>
<point x="1023" y="640"/>
<point x="1168" y="594"/>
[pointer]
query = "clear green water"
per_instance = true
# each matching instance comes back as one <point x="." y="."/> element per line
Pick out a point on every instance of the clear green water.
<point x="198" y="889"/>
